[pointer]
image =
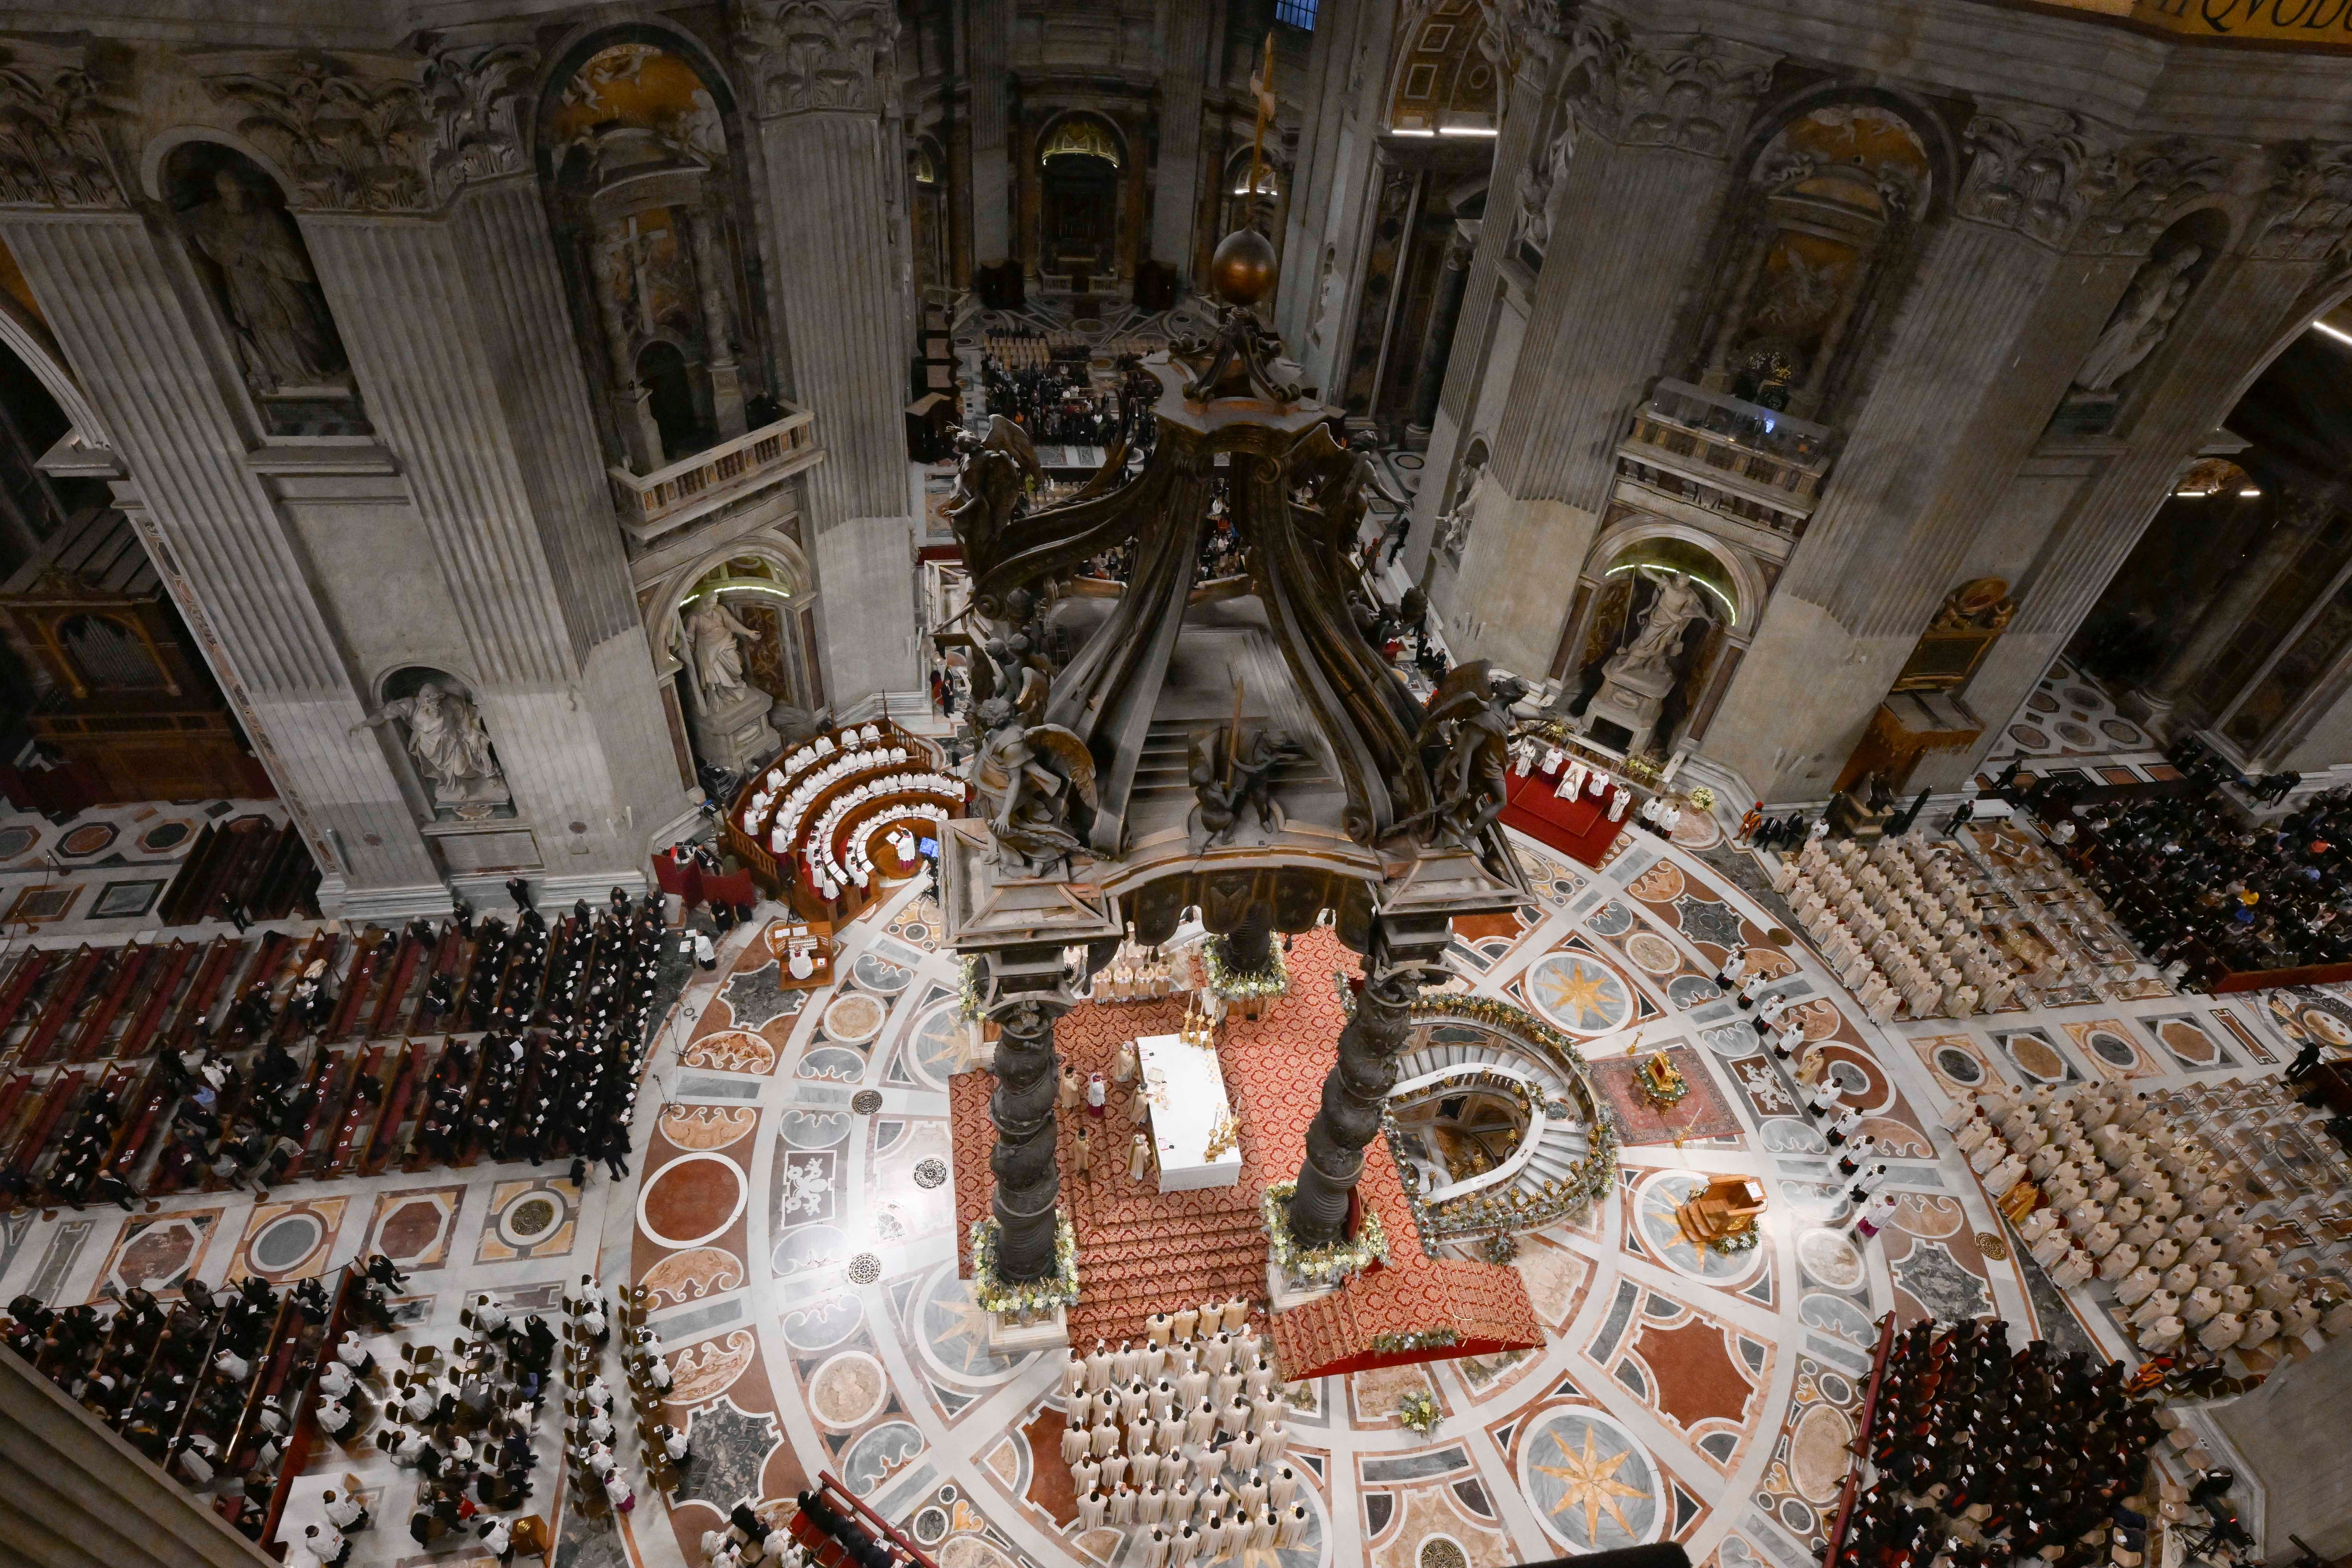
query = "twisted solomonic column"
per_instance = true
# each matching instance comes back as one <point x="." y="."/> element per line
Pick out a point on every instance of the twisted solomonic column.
<point x="1353" y="1092"/>
<point x="1028" y="1178"/>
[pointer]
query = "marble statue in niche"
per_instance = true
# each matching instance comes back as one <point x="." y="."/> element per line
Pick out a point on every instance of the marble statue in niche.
<point x="2141" y="320"/>
<point x="1453" y="528"/>
<point x="715" y="637"/>
<point x="442" y="732"/>
<point x="284" y="335"/>
<point x="1661" y="634"/>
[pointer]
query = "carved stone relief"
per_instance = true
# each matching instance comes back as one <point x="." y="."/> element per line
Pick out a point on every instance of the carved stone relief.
<point x="815" y="55"/>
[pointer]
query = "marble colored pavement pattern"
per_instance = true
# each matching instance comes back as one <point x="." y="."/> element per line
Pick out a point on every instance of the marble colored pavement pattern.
<point x="880" y="1366"/>
<point x="789" y="1212"/>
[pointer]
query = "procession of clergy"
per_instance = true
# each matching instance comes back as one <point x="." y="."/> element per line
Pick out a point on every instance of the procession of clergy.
<point x="1181" y="1439"/>
<point x="2118" y="1185"/>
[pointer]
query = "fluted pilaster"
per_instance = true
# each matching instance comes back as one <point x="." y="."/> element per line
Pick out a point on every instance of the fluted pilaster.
<point x="1656" y="119"/>
<point x="118" y="302"/>
<point x="1185" y="42"/>
<point x="989" y="31"/>
<point x="1982" y="354"/>
<point x="496" y="459"/>
<point x="828" y="137"/>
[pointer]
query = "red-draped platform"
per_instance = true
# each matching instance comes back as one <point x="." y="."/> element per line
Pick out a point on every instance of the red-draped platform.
<point x="1142" y="1251"/>
<point x="1579" y="828"/>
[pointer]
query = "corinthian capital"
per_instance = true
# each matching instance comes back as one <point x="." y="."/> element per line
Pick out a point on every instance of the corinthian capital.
<point x="477" y="101"/>
<point x="2136" y="190"/>
<point x="2029" y="169"/>
<point x="52" y="151"/>
<point x="811" y="54"/>
<point x="1694" y="92"/>
<point x="350" y="142"/>
<point x="1517" y="33"/>
<point x="2307" y="210"/>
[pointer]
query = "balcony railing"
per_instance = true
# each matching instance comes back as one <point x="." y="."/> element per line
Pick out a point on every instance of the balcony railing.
<point x="653" y="504"/>
<point x="1763" y="454"/>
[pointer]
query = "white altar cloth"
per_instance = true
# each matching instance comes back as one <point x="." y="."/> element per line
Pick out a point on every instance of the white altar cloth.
<point x="1187" y="1089"/>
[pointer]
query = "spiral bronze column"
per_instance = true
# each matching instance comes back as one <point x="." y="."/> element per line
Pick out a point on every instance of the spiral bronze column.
<point x="1028" y="1176"/>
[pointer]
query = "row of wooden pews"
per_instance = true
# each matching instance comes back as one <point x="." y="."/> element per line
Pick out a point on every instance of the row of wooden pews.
<point x="126" y="1029"/>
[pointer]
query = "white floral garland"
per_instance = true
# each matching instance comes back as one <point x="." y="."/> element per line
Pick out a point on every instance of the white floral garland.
<point x="1233" y="985"/>
<point x="1325" y="1265"/>
<point x="1025" y="1296"/>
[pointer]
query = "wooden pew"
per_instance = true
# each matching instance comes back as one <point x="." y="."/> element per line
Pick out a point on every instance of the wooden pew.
<point x="50" y="1109"/>
<point x="409" y="1073"/>
<point x="361" y="1107"/>
<point x="167" y="972"/>
<point x="128" y="969"/>
<point x="31" y="965"/>
<point x="319" y="1086"/>
<point x="149" y="1105"/>
<point x="62" y="1003"/>
<point x="356" y="981"/>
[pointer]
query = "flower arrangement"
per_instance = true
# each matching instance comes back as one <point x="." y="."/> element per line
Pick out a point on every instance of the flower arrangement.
<point x="1702" y="798"/>
<point x="1319" y="1265"/>
<point x="1502" y="1246"/>
<point x="1739" y="1241"/>
<point x="1418" y="1411"/>
<point x="1233" y="985"/>
<point x="1024" y="1298"/>
<point x="1415" y="1340"/>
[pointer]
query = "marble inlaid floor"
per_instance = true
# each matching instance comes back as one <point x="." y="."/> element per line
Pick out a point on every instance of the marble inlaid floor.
<point x="792" y="1213"/>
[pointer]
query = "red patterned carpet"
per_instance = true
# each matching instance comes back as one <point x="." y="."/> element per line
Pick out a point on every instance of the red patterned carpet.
<point x="1141" y="1250"/>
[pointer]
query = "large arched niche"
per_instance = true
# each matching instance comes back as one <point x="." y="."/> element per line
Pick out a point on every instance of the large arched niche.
<point x="249" y="257"/>
<point x="1080" y="196"/>
<point x="641" y="152"/>
<point x="2127" y="354"/>
<point x="1613" y="595"/>
<point x="1821" y="234"/>
<point x="765" y="583"/>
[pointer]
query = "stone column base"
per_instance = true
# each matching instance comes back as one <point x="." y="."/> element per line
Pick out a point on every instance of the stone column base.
<point x="1007" y="1337"/>
<point x="2154" y="713"/>
<point x="1283" y="1295"/>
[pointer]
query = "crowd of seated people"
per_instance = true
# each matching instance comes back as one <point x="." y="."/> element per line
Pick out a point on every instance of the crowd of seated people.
<point x="207" y="1387"/>
<point x="2197" y="884"/>
<point x="1053" y="400"/>
<point x="248" y="1099"/>
<point x="464" y="1418"/>
<point x="1981" y="1454"/>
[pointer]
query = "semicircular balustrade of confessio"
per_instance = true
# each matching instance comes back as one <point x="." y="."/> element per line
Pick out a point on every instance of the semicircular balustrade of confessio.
<point x="1566" y="1152"/>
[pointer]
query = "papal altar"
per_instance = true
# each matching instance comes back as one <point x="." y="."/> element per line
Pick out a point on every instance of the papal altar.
<point x="1185" y="1087"/>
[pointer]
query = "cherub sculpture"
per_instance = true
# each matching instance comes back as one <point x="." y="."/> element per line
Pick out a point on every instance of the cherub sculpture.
<point x="1224" y="791"/>
<point x="1036" y="781"/>
<point x="1464" y="742"/>
<point x="992" y="477"/>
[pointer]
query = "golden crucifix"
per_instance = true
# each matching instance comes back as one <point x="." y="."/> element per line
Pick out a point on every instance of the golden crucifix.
<point x="1261" y="89"/>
